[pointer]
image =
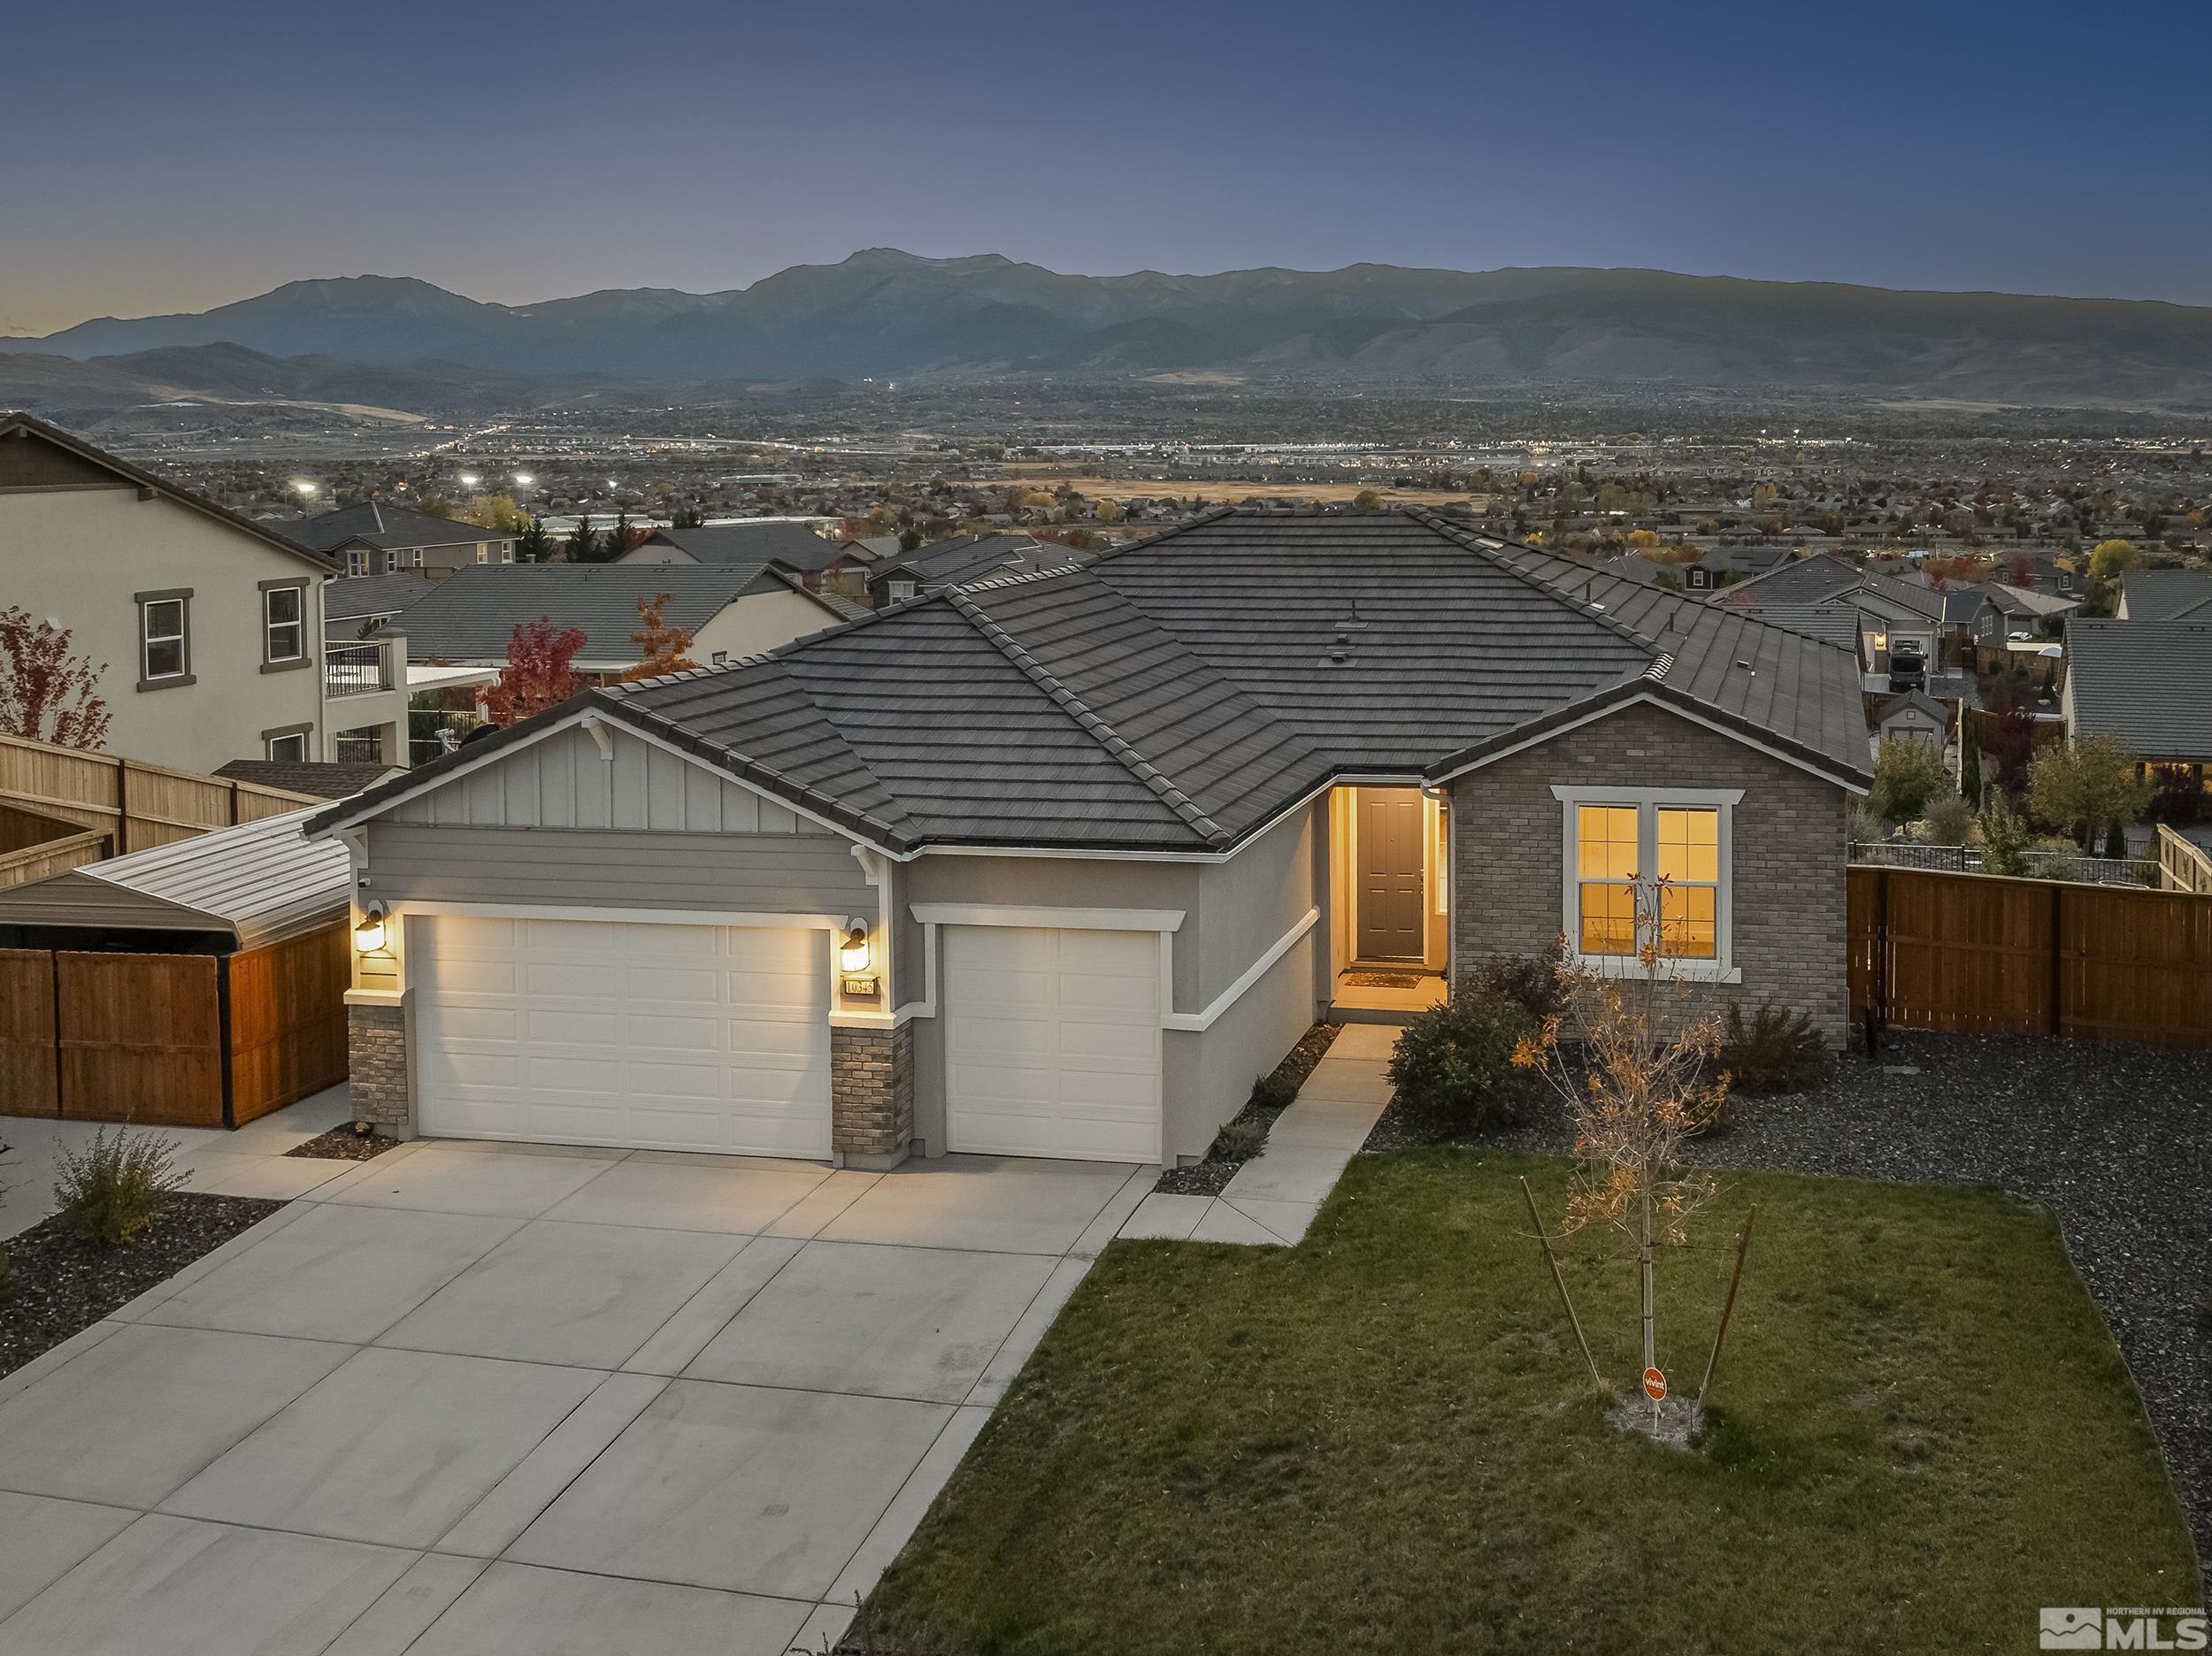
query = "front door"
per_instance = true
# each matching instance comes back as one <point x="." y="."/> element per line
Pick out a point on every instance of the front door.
<point x="1391" y="887"/>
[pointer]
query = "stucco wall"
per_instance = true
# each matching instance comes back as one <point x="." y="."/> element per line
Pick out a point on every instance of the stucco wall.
<point x="760" y="621"/>
<point x="76" y="556"/>
<point x="1789" y="933"/>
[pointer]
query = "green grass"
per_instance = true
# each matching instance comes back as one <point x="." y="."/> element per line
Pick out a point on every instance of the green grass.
<point x="1384" y="1440"/>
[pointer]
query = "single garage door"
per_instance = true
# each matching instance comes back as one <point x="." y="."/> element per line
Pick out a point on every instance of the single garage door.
<point x="1052" y="1042"/>
<point x="612" y="1033"/>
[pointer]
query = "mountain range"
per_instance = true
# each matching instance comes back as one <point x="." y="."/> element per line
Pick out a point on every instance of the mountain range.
<point x="403" y="344"/>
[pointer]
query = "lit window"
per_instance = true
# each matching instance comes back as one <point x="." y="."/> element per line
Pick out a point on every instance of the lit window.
<point x="161" y="624"/>
<point x="280" y="619"/>
<point x="483" y="552"/>
<point x="1670" y="846"/>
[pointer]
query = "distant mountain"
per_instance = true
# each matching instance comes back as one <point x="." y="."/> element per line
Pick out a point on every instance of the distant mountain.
<point x="882" y="312"/>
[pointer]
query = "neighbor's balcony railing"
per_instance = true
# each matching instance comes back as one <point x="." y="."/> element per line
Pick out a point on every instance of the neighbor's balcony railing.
<point x="355" y="669"/>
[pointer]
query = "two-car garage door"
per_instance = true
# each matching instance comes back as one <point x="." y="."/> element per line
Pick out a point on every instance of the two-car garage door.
<point x="1052" y="1042"/>
<point x="616" y="1033"/>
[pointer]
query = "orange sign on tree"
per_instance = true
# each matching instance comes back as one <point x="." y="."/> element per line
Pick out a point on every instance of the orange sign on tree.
<point x="1654" y="1385"/>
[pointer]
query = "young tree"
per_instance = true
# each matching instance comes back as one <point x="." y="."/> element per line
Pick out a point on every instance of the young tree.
<point x="582" y="545"/>
<point x="533" y="545"/>
<point x="495" y="512"/>
<point x="618" y="540"/>
<point x="687" y="518"/>
<point x="2004" y="838"/>
<point x="1971" y="766"/>
<point x="47" y="693"/>
<point x="1908" y="774"/>
<point x="2087" y="784"/>
<point x="540" y="673"/>
<point x="661" y="643"/>
<point x="1636" y="1090"/>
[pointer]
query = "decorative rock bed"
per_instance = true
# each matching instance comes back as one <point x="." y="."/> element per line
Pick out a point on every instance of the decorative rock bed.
<point x="1210" y="1175"/>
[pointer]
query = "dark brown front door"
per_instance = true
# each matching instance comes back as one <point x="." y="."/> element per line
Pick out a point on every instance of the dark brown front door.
<point x="1391" y="889"/>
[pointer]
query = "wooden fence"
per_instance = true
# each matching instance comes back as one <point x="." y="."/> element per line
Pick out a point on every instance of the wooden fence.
<point x="137" y="805"/>
<point x="2183" y="864"/>
<point x="1989" y="955"/>
<point x="172" y="1040"/>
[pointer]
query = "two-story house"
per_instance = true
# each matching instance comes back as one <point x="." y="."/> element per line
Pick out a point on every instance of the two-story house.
<point x="207" y="627"/>
<point x="378" y="538"/>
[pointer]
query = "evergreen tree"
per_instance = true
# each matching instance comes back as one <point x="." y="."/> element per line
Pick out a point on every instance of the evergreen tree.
<point x="582" y="545"/>
<point x="1970" y="769"/>
<point x="618" y="540"/>
<point x="533" y="545"/>
<point x="2116" y="840"/>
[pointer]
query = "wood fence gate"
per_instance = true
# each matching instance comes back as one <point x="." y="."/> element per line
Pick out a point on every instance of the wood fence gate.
<point x="1982" y="953"/>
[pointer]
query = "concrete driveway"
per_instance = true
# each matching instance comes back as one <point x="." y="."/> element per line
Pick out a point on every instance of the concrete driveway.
<point x="477" y="1398"/>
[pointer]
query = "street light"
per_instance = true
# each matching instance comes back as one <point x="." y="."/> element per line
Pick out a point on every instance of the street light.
<point x="468" y="479"/>
<point x="304" y="489"/>
<point x="525" y="479"/>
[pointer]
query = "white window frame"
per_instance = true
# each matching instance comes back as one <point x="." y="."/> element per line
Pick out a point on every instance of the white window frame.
<point x="1646" y="801"/>
<point x="269" y="744"/>
<point x="270" y="623"/>
<point x="900" y="591"/>
<point x="148" y="637"/>
<point x="357" y="561"/>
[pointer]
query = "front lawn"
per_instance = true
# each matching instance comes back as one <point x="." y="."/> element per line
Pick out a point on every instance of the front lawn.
<point x="1384" y="1440"/>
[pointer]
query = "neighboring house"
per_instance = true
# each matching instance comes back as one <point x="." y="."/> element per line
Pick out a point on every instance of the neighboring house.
<point x="378" y="538"/>
<point x="1054" y="865"/>
<point x="2165" y="595"/>
<point x="2013" y="611"/>
<point x="729" y="611"/>
<point x="1815" y="579"/>
<point x="209" y="625"/>
<point x="960" y="562"/>
<point x="834" y="567"/>
<point x="2147" y="683"/>
<point x="324" y="779"/>
<point x="354" y="608"/>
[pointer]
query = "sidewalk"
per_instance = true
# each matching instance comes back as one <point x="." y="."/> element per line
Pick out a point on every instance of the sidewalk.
<point x="1273" y="1197"/>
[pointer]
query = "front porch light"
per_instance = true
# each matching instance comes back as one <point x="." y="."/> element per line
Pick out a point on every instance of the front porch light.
<point x="853" y="955"/>
<point x="368" y="933"/>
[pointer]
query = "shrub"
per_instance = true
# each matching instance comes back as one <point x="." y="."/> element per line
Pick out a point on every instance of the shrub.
<point x="110" y="1192"/>
<point x="1909" y="776"/>
<point x="1530" y="981"/>
<point x="1273" y="1091"/>
<point x="1775" y="1050"/>
<point x="1456" y="1060"/>
<point x="2004" y="838"/>
<point x="1950" y="819"/>
<point x="1239" y="1140"/>
<point x="2116" y="841"/>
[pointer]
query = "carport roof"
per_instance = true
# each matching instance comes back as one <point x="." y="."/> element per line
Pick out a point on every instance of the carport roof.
<point x="1177" y="693"/>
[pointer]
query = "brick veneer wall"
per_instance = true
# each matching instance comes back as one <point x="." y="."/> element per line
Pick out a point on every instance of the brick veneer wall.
<point x="376" y="1047"/>
<point x="1789" y="934"/>
<point x="872" y="1094"/>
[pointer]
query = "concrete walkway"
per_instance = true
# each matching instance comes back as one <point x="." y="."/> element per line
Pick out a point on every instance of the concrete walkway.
<point x="1273" y="1198"/>
<point x="471" y="1399"/>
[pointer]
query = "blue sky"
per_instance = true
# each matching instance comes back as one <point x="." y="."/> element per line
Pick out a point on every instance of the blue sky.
<point x="172" y="158"/>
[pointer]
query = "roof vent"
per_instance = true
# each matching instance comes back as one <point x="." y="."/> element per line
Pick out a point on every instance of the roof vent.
<point x="1352" y="623"/>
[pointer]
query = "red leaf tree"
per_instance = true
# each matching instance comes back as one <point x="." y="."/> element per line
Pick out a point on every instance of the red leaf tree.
<point x="47" y="692"/>
<point x="540" y="673"/>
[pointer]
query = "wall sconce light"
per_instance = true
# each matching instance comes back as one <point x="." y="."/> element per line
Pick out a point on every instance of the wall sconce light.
<point x="368" y="936"/>
<point x="852" y="957"/>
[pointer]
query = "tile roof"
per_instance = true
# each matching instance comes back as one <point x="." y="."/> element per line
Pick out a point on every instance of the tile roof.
<point x="753" y="544"/>
<point x="1179" y="693"/>
<point x="972" y="558"/>
<point x="1805" y="580"/>
<point x="470" y="615"/>
<point x="323" y="779"/>
<point x="2149" y="683"/>
<point x="2166" y="595"/>
<point x="358" y="597"/>
<point x="381" y="524"/>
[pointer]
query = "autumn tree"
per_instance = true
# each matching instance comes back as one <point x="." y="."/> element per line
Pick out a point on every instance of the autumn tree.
<point x="47" y="693"/>
<point x="2087" y="786"/>
<point x="662" y="645"/>
<point x="2111" y="557"/>
<point x="495" y="512"/>
<point x="540" y="673"/>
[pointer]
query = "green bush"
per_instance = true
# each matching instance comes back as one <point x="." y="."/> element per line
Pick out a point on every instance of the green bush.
<point x="1239" y="1140"/>
<point x="1455" y="1061"/>
<point x="1273" y="1091"/>
<point x="1775" y="1050"/>
<point x="1530" y="981"/>
<point x="1950" y="819"/>
<point x="112" y="1190"/>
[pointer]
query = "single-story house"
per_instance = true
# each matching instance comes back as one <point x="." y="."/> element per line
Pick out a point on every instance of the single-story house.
<point x="958" y="562"/>
<point x="2028" y="610"/>
<point x="379" y="538"/>
<point x="1055" y="864"/>
<point x="731" y="610"/>
<point x="2147" y="683"/>
<point x="2165" y="595"/>
<point x="838" y="566"/>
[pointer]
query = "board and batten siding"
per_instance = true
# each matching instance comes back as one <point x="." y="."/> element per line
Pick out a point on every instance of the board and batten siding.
<point x="564" y="782"/>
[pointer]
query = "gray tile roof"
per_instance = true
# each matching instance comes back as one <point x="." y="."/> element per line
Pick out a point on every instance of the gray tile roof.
<point x="2166" y="595"/>
<point x="358" y="597"/>
<point x="1177" y="693"/>
<point x="1805" y="580"/>
<point x="973" y="559"/>
<point x="321" y="777"/>
<point x="471" y="616"/>
<point x="2149" y="683"/>
<point x="744" y="544"/>
<point x="381" y="524"/>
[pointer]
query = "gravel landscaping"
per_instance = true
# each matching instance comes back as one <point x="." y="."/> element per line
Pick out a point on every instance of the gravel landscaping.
<point x="2116" y="1140"/>
<point x="343" y="1144"/>
<point x="1211" y="1175"/>
<point x="62" y="1285"/>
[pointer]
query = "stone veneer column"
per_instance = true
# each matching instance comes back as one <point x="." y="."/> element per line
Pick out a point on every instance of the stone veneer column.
<point x="872" y="1095"/>
<point x="376" y="1047"/>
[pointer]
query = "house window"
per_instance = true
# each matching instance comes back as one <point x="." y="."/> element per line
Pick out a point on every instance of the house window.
<point x="1668" y="845"/>
<point x="164" y="649"/>
<point x="357" y="561"/>
<point x="900" y="591"/>
<point x="290" y="745"/>
<point x="483" y="552"/>
<point x="408" y="557"/>
<point x="284" y="636"/>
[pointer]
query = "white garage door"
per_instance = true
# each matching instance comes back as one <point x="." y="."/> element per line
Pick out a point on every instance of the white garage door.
<point x="607" y="1032"/>
<point x="1052" y="1042"/>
